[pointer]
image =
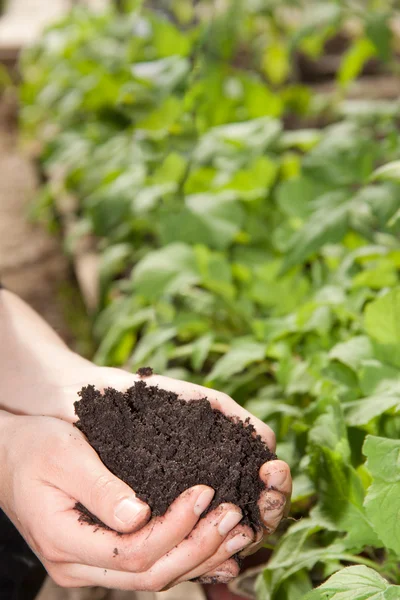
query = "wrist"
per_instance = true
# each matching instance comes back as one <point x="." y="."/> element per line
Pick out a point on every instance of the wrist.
<point x="43" y="383"/>
<point x="39" y="374"/>
<point x="6" y="425"/>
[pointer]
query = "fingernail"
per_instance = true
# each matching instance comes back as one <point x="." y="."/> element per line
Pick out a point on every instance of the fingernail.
<point x="203" y="501"/>
<point x="273" y="500"/>
<point x="230" y="520"/>
<point x="128" y="510"/>
<point x="224" y="576"/>
<point x="237" y="543"/>
<point x="277" y="478"/>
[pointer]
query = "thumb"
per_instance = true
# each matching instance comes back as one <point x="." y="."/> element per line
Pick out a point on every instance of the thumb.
<point x="82" y="475"/>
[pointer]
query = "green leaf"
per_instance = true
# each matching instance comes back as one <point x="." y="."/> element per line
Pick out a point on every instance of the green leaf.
<point x="352" y="352"/>
<point x="388" y="172"/>
<point x="295" y="196"/>
<point x="148" y="197"/>
<point x="303" y="488"/>
<point x="297" y="585"/>
<point x="382" y="320"/>
<point x="373" y="206"/>
<point x="340" y="489"/>
<point x="380" y="275"/>
<point x="166" y="271"/>
<point x="376" y="378"/>
<point x="242" y="353"/>
<point x="255" y="181"/>
<point x="291" y="546"/>
<point x="253" y="136"/>
<point x="297" y="551"/>
<point x="324" y="227"/>
<point x="354" y="60"/>
<point x="163" y="73"/>
<point x="201" y="349"/>
<point x="149" y="343"/>
<point x="276" y="64"/>
<point x="344" y="156"/>
<point x="361" y="412"/>
<point x="264" y="408"/>
<point x="161" y="120"/>
<point x="113" y="260"/>
<point x="167" y="39"/>
<point x="379" y="31"/>
<point x="303" y="139"/>
<point x="382" y="503"/>
<point x="118" y="337"/>
<point x="329" y="431"/>
<point x="209" y="219"/>
<point x="282" y="293"/>
<point x="355" y="583"/>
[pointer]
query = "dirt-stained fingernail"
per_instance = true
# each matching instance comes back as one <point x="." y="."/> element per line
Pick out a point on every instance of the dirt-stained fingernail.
<point x="278" y="478"/>
<point x="203" y="501"/>
<point x="230" y="520"/>
<point x="219" y="577"/>
<point x="224" y="576"/>
<point x="273" y="500"/>
<point x="237" y="543"/>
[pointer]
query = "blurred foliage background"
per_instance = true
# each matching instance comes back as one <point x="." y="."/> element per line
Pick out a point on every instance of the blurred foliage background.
<point x="236" y="166"/>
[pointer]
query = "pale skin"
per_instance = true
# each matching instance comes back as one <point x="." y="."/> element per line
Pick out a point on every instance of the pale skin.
<point x="46" y="466"/>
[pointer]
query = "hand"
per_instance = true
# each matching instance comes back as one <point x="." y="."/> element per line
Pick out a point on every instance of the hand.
<point x="40" y="376"/>
<point x="47" y="466"/>
<point x="274" y="502"/>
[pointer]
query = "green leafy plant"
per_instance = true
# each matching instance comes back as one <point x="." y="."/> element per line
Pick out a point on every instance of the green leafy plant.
<point x="241" y="254"/>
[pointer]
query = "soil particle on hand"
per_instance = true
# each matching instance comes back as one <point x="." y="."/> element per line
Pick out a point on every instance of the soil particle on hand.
<point x="145" y="372"/>
<point x="87" y="517"/>
<point x="161" y="445"/>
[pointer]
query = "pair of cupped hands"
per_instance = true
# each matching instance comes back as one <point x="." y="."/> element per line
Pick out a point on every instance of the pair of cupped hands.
<point x="46" y="466"/>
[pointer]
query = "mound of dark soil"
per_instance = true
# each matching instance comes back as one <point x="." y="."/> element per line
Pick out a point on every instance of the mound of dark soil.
<point x="161" y="445"/>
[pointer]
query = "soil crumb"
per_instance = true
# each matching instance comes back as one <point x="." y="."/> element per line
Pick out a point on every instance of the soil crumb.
<point x="161" y="445"/>
<point x="145" y="372"/>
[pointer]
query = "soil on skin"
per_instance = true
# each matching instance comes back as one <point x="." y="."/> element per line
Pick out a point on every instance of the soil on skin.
<point x="145" y="372"/>
<point x="161" y="445"/>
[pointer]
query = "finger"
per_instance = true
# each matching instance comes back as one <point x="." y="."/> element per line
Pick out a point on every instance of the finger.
<point x="276" y="475"/>
<point x="222" y="574"/>
<point x="258" y="543"/>
<point x="191" y="391"/>
<point x="239" y="538"/>
<point x="76" y="575"/>
<point x="74" y="541"/>
<point x="204" y="541"/>
<point x="272" y="506"/>
<point x="75" y="468"/>
<point x="200" y="545"/>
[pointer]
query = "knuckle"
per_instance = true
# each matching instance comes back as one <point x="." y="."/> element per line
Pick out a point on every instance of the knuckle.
<point x="103" y="485"/>
<point x="142" y="564"/>
<point x="136" y="561"/>
<point x="51" y="554"/>
<point x="158" y="584"/>
<point x="62" y="579"/>
<point x="46" y="548"/>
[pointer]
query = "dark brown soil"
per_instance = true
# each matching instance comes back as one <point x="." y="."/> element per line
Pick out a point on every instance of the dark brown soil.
<point x="145" y="372"/>
<point x="161" y="445"/>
